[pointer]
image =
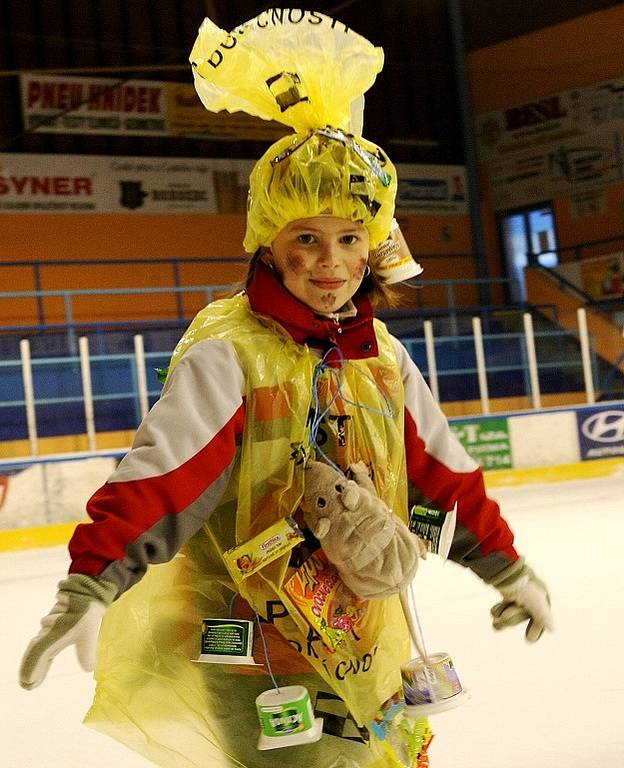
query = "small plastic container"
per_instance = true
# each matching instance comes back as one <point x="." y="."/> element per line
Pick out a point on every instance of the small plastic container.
<point x="286" y="718"/>
<point x="435" y="528"/>
<point x="431" y="686"/>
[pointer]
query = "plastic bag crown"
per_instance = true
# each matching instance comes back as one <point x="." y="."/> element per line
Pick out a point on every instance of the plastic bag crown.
<point x="309" y="72"/>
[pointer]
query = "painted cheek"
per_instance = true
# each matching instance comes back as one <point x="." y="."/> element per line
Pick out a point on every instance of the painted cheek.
<point x="358" y="272"/>
<point x="295" y="264"/>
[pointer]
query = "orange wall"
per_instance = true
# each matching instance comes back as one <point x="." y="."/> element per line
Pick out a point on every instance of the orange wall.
<point x="48" y="239"/>
<point x="575" y="53"/>
<point x="578" y="52"/>
<point x="110" y="236"/>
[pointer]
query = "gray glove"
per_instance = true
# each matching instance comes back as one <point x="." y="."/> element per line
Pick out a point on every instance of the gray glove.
<point x="81" y="602"/>
<point x="525" y="597"/>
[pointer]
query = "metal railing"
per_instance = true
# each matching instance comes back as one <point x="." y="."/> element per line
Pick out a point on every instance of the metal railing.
<point x="23" y="377"/>
<point x="450" y="288"/>
<point x="70" y="324"/>
<point x="578" y="250"/>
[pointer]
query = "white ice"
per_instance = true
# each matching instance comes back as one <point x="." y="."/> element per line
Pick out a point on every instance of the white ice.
<point x="556" y="704"/>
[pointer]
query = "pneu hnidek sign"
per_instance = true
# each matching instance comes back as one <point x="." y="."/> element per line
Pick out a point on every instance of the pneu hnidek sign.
<point x="62" y="104"/>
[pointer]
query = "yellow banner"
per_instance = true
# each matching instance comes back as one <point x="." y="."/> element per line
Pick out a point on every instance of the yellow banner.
<point x="188" y="117"/>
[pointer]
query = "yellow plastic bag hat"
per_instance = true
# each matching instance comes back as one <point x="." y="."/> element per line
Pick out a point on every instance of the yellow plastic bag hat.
<point x="309" y="72"/>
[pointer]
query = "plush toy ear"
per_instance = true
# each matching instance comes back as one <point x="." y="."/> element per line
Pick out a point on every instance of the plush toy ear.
<point x="350" y="497"/>
<point x="322" y="527"/>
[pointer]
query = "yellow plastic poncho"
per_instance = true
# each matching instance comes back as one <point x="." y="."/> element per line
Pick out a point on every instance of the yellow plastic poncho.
<point x="150" y="694"/>
<point x="309" y="72"/>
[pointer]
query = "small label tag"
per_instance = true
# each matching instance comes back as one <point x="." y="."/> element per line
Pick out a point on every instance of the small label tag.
<point x="227" y="641"/>
<point x="232" y="637"/>
<point x="277" y="540"/>
<point x="434" y="527"/>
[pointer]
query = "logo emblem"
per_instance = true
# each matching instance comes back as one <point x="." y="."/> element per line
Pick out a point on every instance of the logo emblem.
<point x="132" y="194"/>
<point x="604" y="427"/>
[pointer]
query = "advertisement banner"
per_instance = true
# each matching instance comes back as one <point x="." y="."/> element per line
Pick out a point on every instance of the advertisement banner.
<point x="432" y="189"/>
<point x="188" y="117"/>
<point x="97" y="184"/>
<point x="487" y="441"/>
<point x="96" y="105"/>
<point x="601" y="432"/>
<point x="566" y="144"/>
<point x="565" y="168"/>
<point x="99" y="105"/>
<point x="601" y="277"/>
<point x="553" y="119"/>
<point x="31" y="183"/>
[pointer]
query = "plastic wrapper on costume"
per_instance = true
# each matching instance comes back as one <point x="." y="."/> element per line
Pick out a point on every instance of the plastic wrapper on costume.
<point x="150" y="694"/>
<point x="307" y="71"/>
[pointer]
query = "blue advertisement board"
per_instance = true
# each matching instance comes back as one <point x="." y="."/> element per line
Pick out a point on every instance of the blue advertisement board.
<point x="601" y="431"/>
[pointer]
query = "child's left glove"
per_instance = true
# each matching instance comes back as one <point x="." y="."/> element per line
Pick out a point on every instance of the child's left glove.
<point x="525" y="597"/>
<point x="81" y="601"/>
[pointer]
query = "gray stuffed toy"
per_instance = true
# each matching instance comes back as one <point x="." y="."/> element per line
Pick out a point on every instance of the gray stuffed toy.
<point x="373" y="550"/>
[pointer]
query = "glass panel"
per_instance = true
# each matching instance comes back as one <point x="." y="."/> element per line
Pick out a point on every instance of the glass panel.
<point x="543" y="239"/>
<point x="516" y="246"/>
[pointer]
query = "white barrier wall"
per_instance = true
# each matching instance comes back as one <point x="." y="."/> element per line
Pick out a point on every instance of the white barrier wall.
<point x="41" y="491"/>
<point x="544" y="438"/>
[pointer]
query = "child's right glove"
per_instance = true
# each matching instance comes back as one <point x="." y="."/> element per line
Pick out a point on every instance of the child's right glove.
<point x="81" y="601"/>
<point x="525" y="597"/>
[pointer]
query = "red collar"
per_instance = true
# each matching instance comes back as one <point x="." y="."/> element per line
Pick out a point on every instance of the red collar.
<point x="354" y="337"/>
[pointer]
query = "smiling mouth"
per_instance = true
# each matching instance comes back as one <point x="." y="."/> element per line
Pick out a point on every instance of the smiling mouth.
<point x="327" y="284"/>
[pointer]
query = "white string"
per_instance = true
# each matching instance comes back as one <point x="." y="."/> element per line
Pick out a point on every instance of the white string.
<point x="415" y="628"/>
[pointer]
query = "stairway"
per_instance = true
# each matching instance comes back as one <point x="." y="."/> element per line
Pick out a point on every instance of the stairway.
<point x="545" y="287"/>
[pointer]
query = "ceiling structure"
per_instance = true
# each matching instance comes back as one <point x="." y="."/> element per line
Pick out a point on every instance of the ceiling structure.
<point x="412" y="110"/>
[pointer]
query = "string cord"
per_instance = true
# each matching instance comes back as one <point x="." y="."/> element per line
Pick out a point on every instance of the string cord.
<point x="320" y="412"/>
<point x="266" y="652"/>
<point x="318" y="416"/>
<point x="262" y="638"/>
<point x="408" y="604"/>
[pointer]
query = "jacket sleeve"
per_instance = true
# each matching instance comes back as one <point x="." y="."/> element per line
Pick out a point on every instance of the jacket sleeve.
<point x="440" y="471"/>
<point x="172" y="479"/>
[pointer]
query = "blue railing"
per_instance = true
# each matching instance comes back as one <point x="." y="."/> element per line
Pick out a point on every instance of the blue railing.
<point x="72" y="328"/>
<point x="58" y="395"/>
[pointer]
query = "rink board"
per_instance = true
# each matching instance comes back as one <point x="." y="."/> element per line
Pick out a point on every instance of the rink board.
<point x="43" y="498"/>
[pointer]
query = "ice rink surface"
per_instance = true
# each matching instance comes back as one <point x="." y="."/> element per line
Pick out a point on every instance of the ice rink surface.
<point x="557" y="704"/>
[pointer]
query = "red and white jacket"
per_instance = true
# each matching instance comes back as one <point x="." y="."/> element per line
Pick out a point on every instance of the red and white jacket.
<point x="179" y="466"/>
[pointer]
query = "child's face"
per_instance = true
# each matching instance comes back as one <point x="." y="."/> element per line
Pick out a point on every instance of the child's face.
<point x="321" y="260"/>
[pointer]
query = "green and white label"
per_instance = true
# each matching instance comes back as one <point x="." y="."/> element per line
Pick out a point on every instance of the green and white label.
<point x="227" y="637"/>
<point x="294" y="717"/>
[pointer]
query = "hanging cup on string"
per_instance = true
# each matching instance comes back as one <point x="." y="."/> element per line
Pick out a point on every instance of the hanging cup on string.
<point x="286" y="718"/>
<point x="431" y="685"/>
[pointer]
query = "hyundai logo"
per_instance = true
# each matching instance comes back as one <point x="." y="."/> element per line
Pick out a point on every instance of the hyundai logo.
<point x="605" y="427"/>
